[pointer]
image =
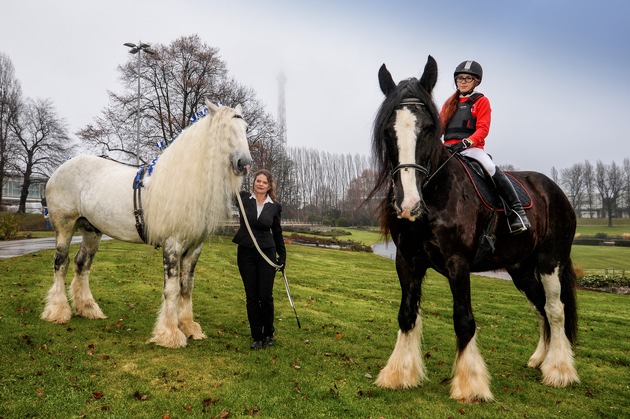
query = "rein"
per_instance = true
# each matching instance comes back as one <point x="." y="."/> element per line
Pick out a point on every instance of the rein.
<point x="415" y="166"/>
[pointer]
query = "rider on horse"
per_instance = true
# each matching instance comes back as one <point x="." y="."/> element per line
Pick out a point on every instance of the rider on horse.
<point x="465" y="123"/>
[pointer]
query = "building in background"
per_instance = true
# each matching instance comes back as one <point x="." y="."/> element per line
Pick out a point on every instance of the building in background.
<point x="11" y="194"/>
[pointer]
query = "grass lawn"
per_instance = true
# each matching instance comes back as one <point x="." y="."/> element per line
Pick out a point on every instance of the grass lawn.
<point x="347" y="303"/>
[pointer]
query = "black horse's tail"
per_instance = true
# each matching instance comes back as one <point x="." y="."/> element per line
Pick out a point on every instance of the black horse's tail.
<point x="567" y="295"/>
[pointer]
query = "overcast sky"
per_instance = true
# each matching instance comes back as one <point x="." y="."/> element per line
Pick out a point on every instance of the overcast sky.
<point x="554" y="70"/>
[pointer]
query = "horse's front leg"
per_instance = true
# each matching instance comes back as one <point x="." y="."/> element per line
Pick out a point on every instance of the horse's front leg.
<point x="471" y="380"/>
<point x="166" y="332"/>
<point x="187" y="325"/>
<point x="82" y="299"/>
<point x="405" y="367"/>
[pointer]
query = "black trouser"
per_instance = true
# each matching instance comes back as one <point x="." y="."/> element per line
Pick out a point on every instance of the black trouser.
<point x="258" y="277"/>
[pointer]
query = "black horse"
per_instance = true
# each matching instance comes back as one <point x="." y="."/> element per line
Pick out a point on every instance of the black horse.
<point x="431" y="210"/>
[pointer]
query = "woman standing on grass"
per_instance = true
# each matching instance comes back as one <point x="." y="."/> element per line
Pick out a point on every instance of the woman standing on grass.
<point x="263" y="213"/>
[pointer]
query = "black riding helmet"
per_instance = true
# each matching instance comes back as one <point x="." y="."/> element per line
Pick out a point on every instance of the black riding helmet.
<point x="469" y="67"/>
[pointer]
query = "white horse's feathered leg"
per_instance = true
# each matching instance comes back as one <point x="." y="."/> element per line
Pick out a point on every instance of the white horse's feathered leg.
<point x="187" y="325"/>
<point x="166" y="331"/>
<point x="82" y="299"/>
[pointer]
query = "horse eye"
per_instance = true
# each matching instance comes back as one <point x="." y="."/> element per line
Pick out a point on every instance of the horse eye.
<point x="238" y="116"/>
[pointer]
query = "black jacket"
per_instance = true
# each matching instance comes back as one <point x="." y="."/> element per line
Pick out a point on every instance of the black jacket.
<point x="266" y="228"/>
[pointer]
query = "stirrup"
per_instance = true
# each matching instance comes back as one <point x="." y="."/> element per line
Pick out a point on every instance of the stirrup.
<point x="516" y="225"/>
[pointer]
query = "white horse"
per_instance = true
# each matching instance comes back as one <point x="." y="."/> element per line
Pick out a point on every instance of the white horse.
<point x="187" y="195"/>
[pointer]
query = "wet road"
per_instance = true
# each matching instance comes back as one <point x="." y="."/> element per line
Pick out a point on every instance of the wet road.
<point x="14" y="248"/>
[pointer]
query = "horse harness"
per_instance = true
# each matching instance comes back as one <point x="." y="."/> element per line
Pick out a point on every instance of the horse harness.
<point x="138" y="212"/>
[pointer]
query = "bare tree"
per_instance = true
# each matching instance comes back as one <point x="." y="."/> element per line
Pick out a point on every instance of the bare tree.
<point x="589" y="183"/>
<point x="609" y="182"/>
<point x="574" y="182"/>
<point x="554" y="175"/>
<point x="10" y="96"/>
<point x="43" y="142"/>
<point x="360" y="212"/>
<point x="174" y="83"/>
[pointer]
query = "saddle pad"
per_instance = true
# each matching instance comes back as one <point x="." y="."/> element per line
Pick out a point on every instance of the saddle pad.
<point x="487" y="192"/>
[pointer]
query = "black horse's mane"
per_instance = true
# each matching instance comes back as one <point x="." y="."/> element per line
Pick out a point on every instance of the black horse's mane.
<point x="382" y="145"/>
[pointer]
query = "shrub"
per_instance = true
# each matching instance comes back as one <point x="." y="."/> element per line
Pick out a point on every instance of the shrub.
<point x="602" y="281"/>
<point x="601" y="235"/>
<point x="9" y="226"/>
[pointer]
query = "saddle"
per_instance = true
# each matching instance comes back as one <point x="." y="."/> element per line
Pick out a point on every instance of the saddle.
<point x="485" y="189"/>
<point x="490" y="198"/>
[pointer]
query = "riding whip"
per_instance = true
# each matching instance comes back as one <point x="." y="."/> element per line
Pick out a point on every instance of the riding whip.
<point x="269" y="261"/>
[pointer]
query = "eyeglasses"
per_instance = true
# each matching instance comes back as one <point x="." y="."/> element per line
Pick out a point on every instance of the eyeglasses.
<point x="464" y="79"/>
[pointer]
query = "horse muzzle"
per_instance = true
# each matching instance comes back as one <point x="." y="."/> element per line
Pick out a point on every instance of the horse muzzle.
<point x="410" y="208"/>
<point x="241" y="164"/>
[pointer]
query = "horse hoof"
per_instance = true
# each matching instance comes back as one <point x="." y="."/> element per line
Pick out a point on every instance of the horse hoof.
<point x="171" y="340"/>
<point x="192" y="331"/>
<point x="59" y="316"/>
<point x="560" y="377"/>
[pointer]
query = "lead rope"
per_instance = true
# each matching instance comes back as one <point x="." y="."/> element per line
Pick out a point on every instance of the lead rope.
<point x="269" y="261"/>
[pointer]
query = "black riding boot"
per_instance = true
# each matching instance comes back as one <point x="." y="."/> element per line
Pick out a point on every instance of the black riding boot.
<point x="517" y="219"/>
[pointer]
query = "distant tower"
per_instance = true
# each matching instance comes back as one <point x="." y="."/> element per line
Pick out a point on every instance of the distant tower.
<point x="282" y="115"/>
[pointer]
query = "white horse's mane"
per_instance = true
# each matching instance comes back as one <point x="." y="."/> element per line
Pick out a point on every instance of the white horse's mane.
<point x="192" y="180"/>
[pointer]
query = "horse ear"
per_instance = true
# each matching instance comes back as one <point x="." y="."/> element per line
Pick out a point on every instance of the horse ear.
<point x="239" y="109"/>
<point x="429" y="76"/>
<point x="211" y="106"/>
<point x="385" y="80"/>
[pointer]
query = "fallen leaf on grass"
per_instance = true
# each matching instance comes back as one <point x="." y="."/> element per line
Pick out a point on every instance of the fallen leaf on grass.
<point x="139" y="396"/>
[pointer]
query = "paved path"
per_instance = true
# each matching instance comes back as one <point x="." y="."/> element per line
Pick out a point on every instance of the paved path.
<point x="14" y="248"/>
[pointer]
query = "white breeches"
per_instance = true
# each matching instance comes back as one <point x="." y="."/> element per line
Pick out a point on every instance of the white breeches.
<point x="482" y="157"/>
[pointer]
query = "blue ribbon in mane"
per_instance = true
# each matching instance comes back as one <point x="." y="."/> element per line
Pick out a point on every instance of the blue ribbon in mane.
<point x="162" y="145"/>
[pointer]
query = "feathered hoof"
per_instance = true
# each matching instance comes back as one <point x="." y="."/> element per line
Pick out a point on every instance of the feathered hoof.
<point x="559" y="375"/>
<point x="397" y="379"/>
<point x="471" y="392"/>
<point x="192" y="330"/>
<point x="60" y="315"/>
<point x="169" y="340"/>
<point x="89" y="311"/>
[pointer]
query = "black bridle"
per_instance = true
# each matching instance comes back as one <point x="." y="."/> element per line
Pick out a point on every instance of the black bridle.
<point x="417" y="167"/>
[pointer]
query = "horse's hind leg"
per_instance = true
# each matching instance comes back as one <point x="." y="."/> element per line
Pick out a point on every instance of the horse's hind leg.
<point x="187" y="325"/>
<point x="405" y="367"/>
<point x="82" y="299"/>
<point x="524" y="278"/>
<point x="57" y="309"/>
<point x="558" y="368"/>
<point x="166" y="332"/>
